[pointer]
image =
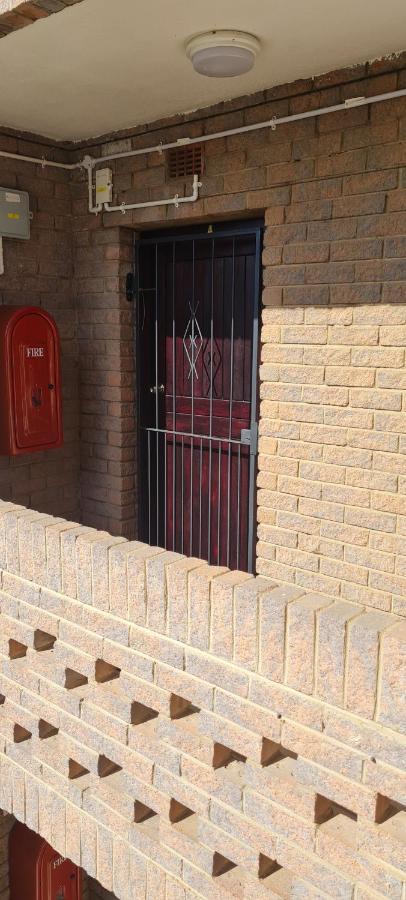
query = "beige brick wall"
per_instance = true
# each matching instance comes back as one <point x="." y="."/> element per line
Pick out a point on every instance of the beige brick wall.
<point x="332" y="463"/>
<point x="261" y="755"/>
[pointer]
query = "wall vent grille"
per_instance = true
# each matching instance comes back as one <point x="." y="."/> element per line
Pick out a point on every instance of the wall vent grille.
<point x="184" y="161"/>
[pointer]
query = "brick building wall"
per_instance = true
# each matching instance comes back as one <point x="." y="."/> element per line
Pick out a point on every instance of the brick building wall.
<point x="331" y="500"/>
<point x="332" y="488"/>
<point x="178" y="730"/>
<point x="16" y="14"/>
<point x="38" y="272"/>
<point x="107" y="373"/>
<point x="331" y="478"/>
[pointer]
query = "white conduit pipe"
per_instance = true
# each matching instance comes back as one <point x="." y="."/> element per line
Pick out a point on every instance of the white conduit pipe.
<point x="243" y="129"/>
<point x="89" y="162"/>
<point x="40" y="161"/>
<point x="176" y="200"/>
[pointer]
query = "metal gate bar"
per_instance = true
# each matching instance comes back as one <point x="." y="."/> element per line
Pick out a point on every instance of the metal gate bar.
<point x="181" y="457"/>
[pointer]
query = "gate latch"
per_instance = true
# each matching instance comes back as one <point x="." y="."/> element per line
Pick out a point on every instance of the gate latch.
<point x="250" y="436"/>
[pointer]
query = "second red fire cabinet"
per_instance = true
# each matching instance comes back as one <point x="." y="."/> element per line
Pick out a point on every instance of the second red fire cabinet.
<point x="37" y="872"/>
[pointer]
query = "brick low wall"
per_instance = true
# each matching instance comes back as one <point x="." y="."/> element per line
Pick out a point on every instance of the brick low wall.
<point x="182" y="730"/>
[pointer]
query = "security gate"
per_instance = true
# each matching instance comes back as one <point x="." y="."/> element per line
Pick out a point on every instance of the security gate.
<point x="197" y="367"/>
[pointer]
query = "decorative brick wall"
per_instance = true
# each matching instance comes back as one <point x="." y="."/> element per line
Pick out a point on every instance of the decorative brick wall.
<point x="175" y="728"/>
<point x="38" y="272"/>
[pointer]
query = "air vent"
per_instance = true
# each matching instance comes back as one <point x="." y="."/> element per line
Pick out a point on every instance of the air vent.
<point x="184" y="161"/>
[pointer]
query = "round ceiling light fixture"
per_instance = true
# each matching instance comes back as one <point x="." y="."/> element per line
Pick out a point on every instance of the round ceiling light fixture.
<point x="223" y="54"/>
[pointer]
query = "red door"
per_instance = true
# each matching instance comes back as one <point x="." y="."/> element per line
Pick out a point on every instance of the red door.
<point x="198" y="299"/>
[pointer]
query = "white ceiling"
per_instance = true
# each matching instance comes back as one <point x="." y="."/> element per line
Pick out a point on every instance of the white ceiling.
<point x="104" y="65"/>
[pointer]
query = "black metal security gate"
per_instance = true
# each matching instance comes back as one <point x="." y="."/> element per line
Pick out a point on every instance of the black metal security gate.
<point x="197" y="366"/>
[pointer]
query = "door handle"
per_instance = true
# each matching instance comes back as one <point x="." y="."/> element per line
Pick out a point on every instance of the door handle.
<point x="36" y="397"/>
<point x="157" y="389"/>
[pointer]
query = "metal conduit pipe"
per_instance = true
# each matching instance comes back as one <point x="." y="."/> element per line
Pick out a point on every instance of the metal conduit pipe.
<point x="89" y="162"/>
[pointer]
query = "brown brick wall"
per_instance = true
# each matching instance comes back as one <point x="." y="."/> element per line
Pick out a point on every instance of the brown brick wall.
<point x="107" y="376"/>
<point x="246" y="174"/>
<point x="38" y="272"/>
<point x="16" y="14"/>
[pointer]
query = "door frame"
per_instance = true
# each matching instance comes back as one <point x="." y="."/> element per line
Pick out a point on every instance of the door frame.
<point x="248" y="227"/>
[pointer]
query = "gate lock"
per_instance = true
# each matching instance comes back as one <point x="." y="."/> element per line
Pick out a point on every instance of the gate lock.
<point x="249" y="437"/>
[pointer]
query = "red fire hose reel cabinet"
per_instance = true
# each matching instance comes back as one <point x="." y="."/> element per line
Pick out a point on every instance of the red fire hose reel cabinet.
<point x="30" y="381"/>
<point x="37" y="872"/>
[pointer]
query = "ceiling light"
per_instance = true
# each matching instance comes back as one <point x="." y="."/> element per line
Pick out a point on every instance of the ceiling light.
<point x="223" y="54"/>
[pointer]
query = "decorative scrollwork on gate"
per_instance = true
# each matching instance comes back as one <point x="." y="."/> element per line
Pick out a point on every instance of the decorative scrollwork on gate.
<point x="211" y="365"/>
<point x="194" y="336"/>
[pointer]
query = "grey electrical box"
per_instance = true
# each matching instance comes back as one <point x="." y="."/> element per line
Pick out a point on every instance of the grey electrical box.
<point x="14" y="214"/>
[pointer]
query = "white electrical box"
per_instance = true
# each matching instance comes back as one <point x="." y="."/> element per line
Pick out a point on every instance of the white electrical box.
<point x="104" y="186"/>
<point x="14" y="214"/>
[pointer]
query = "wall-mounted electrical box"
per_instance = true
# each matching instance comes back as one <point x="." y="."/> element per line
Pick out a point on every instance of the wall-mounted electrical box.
<point x="104" y="186"/>
<point x="30" y="389"/>
<point x="14" y="214"/>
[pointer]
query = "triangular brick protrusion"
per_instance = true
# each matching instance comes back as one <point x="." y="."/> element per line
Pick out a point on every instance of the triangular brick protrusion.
<point x="105" y="671"/>
<point x="221" y="865"/>
<point x="223" y="756"/>
<point x="16" y="650"/>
